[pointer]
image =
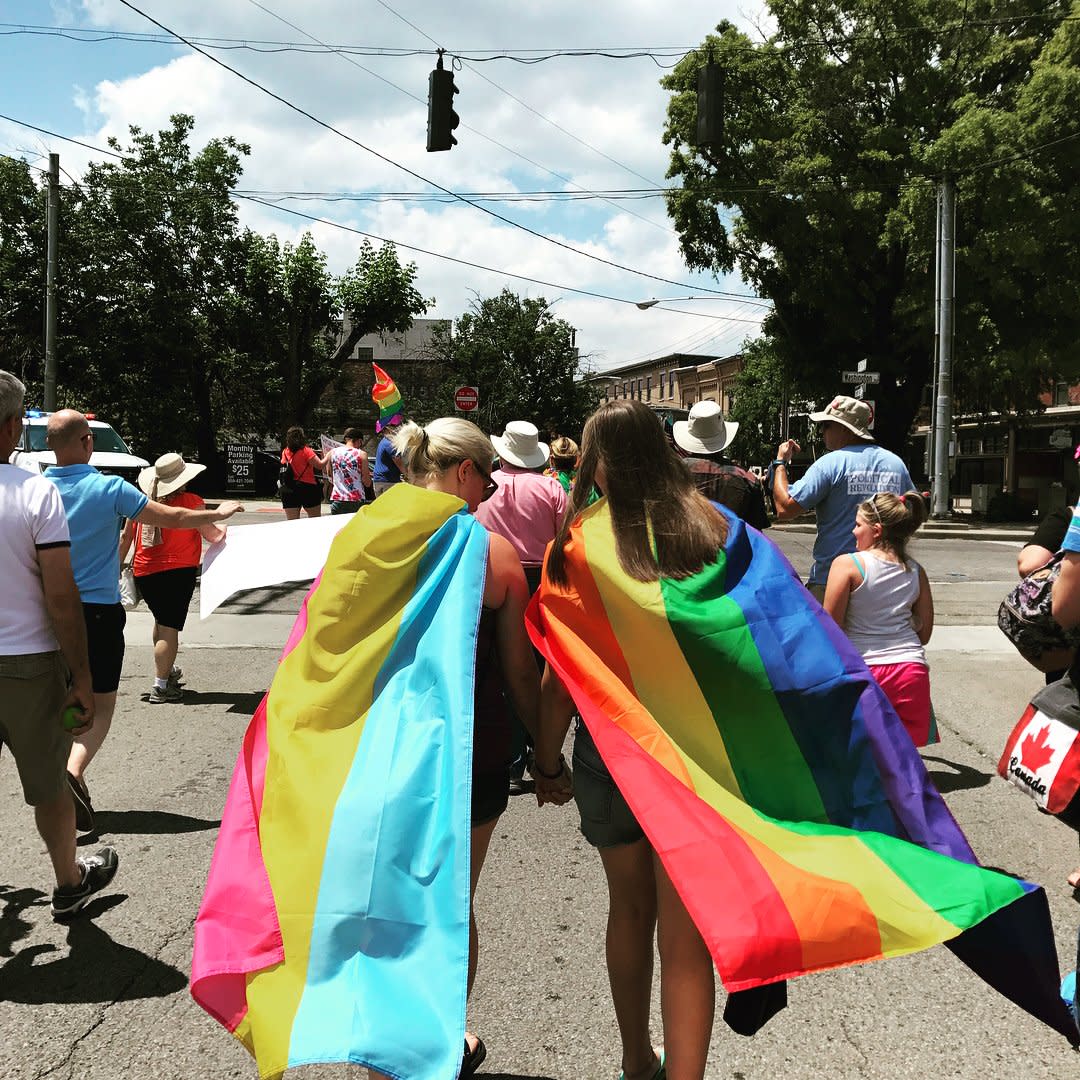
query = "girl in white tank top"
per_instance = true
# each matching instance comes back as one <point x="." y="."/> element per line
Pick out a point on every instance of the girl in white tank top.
<point x="882" y="600"/>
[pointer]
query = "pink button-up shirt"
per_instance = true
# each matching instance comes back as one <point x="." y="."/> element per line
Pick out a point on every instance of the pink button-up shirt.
<point x="526" y="508"/>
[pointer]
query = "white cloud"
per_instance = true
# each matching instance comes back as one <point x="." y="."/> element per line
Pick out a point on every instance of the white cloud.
<point x="614" y="108"/>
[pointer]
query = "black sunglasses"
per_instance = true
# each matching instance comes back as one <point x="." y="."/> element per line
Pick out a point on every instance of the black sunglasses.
<point x="490" y="486"/>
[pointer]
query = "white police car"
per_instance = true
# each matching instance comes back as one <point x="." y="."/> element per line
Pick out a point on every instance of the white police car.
<point x="110" y="454"/>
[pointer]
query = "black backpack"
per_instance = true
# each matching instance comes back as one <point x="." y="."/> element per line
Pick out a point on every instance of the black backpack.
<point x="286" y="480"/>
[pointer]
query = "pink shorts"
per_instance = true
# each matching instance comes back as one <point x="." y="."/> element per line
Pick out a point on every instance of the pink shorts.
<point x="907" y="686"/>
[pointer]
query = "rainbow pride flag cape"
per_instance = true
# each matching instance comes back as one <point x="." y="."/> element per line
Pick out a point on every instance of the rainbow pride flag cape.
<point x="772" y="776"/>
<point x="385" y="394"/>
<point x="335" y="922"/>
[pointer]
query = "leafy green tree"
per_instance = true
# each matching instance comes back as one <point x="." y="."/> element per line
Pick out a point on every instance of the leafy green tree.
<point x="522" y="359"/>
<point x="22" y="274"/>
<point x="822" y="192"/>
<point x="152" y="257"/>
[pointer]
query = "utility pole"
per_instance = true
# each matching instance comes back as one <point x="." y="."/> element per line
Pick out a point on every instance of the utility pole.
<point x="946" y="260"/>
<point x="52" y="222"/>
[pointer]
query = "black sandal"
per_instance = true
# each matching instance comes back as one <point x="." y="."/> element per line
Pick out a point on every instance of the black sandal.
<point x="471" y="1060"/>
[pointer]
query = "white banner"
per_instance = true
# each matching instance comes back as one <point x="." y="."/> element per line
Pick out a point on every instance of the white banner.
<point x="257" y="556"/>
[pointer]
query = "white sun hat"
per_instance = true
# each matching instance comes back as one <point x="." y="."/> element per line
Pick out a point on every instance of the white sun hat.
<point x="706" y="431"/>
<point x="520" y="445"/>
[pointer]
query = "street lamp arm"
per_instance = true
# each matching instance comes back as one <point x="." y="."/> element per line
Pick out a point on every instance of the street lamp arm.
<point x="644" y="305"/>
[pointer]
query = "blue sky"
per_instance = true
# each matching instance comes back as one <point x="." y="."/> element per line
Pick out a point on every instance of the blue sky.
<point x="610" y="113"/>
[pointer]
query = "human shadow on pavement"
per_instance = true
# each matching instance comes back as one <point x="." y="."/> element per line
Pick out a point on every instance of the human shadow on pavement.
<point x="13" y="926"/>
<point x="245" y="704"/>
<point x="961" y="778"/>
<point x="147" y="823"/>
<point x="95" y="968"/>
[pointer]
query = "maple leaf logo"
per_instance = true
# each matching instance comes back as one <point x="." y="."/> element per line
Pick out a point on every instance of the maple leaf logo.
<point x="1035" y="750"/>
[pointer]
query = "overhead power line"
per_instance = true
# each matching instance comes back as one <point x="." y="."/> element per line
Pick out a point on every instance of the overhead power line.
<point x="468" y="127"/>
<point x="522" y="56"/>
<point x="404" y="168"/>
<point x="524" y="104"/>
<point x="736" y="298"/>
<point x="525" y="55"/>
<point x="466" y="262"/>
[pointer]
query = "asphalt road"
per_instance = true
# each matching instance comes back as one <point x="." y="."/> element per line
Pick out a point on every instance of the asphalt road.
<point x="106" y="998"/>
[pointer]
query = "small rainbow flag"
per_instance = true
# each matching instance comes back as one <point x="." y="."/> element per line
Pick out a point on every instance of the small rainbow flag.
<point x="335" y="922"/>
<point x="385" y="394"/>
<point x="773" y="778"/>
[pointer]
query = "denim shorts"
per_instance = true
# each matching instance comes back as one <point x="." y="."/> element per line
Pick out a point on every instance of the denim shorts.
<point x="606" y="820"/>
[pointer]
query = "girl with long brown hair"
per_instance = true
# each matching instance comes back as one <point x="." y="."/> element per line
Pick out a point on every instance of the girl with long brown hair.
<point x="663" y="528"/>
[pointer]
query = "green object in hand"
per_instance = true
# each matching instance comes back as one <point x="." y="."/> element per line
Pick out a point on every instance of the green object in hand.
<point x="72" y="717"/>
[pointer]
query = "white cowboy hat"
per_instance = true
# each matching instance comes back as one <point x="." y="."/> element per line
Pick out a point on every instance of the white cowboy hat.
<point x="520" y="445"/>
<point x="854" y="414"/>
<point x="168" y="474"/>
<point x="706" y="431"/>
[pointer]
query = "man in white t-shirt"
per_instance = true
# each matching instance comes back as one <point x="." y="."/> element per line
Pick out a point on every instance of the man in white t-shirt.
<point x="42" y="647"/>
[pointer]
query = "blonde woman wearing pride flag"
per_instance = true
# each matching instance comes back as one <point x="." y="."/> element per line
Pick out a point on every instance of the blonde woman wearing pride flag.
<point x="337" y="920"/>
<point x="752" y="793"/>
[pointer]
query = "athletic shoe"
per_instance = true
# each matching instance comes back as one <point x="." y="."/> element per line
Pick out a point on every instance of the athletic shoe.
<point x="176" y="677"/>
<point x="80" y="796"/>
<point x="97" y="871"/>
<point x="169" y="695"/>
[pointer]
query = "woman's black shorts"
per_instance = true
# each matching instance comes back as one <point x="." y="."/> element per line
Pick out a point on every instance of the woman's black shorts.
<point x="168" y="595"/>
<point x="302" y="495"/>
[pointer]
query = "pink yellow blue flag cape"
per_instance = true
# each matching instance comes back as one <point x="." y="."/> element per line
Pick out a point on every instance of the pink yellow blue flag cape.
<point x="335" y="922"/>
<point x="772" y="776"/>
<point x="385" y="394"/>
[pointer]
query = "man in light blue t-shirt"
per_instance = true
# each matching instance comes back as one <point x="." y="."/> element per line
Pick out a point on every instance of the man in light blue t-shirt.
<point x="854" y="469"/>
<point x="97" y="506"/>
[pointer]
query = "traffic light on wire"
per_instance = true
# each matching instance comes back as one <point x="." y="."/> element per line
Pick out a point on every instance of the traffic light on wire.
<point x="441" y="116"/>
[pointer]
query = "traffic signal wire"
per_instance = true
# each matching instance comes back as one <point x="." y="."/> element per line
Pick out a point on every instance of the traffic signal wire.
<point x="468" y="127"/>
<point x="253" y="196"/>
<point x="404" y="168"/>
<point x="477" y="266"/>
<point x="526" y="105"/>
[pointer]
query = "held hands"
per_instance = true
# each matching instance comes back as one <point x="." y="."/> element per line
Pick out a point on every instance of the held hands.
<point x="557" y="787"/>
<point x="786" y="449"/>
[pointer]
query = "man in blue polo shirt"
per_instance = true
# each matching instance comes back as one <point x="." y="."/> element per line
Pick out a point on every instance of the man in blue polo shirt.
<point x="96" y="506"/>
<point x="854" y="469"/>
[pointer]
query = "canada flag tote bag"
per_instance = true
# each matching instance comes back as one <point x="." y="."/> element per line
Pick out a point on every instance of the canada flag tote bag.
<point x="1042" y="756"/>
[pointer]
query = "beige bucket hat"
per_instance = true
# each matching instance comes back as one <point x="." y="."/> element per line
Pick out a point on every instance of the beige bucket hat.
<point x="854" y="414"/>
<point x="168" y="474"/>
<point x="705" y="431"/>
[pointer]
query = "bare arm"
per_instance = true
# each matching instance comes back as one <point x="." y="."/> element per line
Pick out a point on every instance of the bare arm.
<point x="1031" y="558"/>
<point x="844" y="576"/>
<point x="923" y="608"/>
<point x="127" y="538"/>
<point x="1066" y="595"/>
<point x="556" y="712"/>
<point x="69" y="626"/>
<point x="786" y="507"/>
<point x="180" y="517"/>
<point x="508" y="593"/>
<point x="365" y="470"/>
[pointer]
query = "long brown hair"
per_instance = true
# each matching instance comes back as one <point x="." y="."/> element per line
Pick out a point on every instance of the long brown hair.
<point x="294" y="439"/>
<point x="664" y="527"/>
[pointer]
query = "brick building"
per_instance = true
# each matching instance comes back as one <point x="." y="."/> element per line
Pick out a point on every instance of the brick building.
<point x="671" y="384"/>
